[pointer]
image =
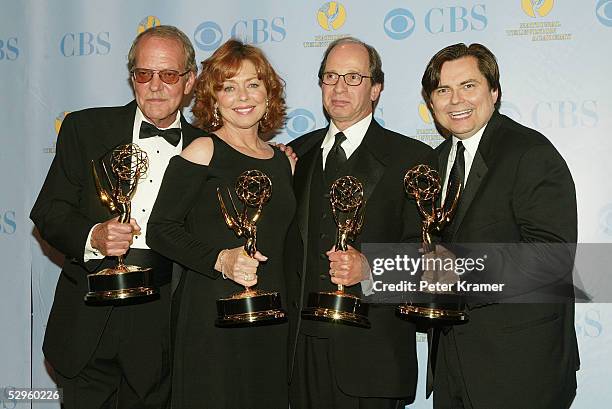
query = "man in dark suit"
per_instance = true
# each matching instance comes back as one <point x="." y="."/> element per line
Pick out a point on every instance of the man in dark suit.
<point x="115" y="356"/>
<point x="517" y="189"/>
<point x="334" y="365"/>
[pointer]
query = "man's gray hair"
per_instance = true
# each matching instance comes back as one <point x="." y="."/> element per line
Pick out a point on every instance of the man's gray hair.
<point x="378" y="76"/>
<point x="168" y="32"/>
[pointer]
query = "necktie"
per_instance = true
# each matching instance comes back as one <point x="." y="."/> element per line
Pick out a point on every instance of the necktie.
<point x="172" y="135"/>
<point x="456" y="179"/>
<point x="335" y="158"/>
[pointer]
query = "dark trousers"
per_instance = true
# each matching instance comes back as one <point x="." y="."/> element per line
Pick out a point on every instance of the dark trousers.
<point x="450" y="391"/>
<point x="130" y="368"/>
<point x="314" y="384"/>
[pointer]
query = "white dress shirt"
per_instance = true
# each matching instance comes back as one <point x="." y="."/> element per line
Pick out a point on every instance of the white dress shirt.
<point x="354" y="136"/>
<point x="159" y="152"/>
<point x="471" y="146"/>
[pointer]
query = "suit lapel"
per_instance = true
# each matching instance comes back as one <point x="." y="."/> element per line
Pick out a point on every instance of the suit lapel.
<point x="478" y="172"/>
<point x="445" y="149"/>
<point x="369" y="170"/>
<point x="303" y="180"/>
<point x="479" y="169"/>
<point x="370" y="165"/>
<point x="120" y="131"/>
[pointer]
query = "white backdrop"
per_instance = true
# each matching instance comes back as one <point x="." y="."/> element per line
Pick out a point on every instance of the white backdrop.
<point x="61" y="56"/>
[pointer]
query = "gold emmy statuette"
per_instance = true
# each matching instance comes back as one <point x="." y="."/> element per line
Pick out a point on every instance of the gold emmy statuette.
<point x="128" y="164"/>
<point x="423" y="183"/>
<point x="248" y="307"/>
<point x="346" y="196"/>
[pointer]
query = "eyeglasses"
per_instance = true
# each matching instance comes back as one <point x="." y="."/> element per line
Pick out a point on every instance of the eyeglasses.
<point x="143" y="75"/>
<point x="350" y="78"/>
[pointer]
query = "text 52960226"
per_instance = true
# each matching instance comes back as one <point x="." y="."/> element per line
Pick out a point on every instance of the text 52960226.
<point x="32" y="394"/>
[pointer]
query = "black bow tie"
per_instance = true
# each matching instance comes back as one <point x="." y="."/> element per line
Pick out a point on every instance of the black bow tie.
<point x="172" y="135"/>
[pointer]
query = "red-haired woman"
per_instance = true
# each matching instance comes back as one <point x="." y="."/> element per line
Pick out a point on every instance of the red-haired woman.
<point x="238" y="98"/>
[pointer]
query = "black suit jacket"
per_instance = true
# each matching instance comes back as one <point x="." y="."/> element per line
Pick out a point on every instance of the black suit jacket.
<point x="66" y="209"/>
<point x="519" y="190"/>
<point x="381" y="361"/>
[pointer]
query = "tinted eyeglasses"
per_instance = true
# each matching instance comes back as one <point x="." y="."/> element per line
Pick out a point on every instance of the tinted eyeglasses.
<point x="143" y="75"/>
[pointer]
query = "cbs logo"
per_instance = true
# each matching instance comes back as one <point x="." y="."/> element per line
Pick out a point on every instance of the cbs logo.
<point x="8" y="49"/>
<point x="603" y="11"/>
<point x="299" y="122"/>
<point x="85" y="43"/>
<point x="209" y="35"/>
<point x="8" y="225"/>
<point x="400" y="23"/>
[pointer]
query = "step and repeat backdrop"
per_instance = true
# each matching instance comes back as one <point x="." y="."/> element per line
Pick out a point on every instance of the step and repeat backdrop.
<point x="61" y="56"/>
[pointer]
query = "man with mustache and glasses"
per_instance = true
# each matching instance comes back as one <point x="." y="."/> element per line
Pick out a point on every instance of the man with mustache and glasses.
<point x="115" y="356"/>
<point x="334" y="365"/>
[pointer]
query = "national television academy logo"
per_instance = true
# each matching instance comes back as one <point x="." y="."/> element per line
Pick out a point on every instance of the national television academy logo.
<point x="147" y="23"/>
<point x="426" y="131"/>
<point x="57" y="125"/>
<point x="424" y="113"/>
<point x="537" y="8"/>
<point x="58" y="121"/>
<point x="538" y="28"/>
<point x="331" y="15"/>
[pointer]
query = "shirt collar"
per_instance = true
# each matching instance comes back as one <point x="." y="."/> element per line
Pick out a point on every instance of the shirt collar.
<point x="470" y="144"/>
<point x="354" y="134"/>
<point x="140" y="118"/>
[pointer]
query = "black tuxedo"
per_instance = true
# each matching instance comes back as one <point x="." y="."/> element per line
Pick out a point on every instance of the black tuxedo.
<point x="519" y="190"/>
<point x="64" y="213"/>
<point x="379" y="362"/>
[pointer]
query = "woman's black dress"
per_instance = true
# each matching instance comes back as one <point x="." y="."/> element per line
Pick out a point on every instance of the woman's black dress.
<point x="222" y="367"/>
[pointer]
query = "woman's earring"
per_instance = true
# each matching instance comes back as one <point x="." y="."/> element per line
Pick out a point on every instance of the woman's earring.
<point x="265" y="117"/>
<point x="216" y="120"/>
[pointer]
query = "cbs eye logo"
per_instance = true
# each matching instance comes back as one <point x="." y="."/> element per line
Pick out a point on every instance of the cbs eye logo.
<point x="299" y="122"/>
<point x="399" y="24"/>
<point x="603" y="11"/>
<point x="511" y="110"/>
<point x="208" y="36"/>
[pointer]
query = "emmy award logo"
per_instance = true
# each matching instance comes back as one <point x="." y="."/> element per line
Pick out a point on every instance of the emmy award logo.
<point x="248" y="307"/>
<point x="423" y="184"/>
<point x="346" y="197"/>
<point x="128" y="165"/>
